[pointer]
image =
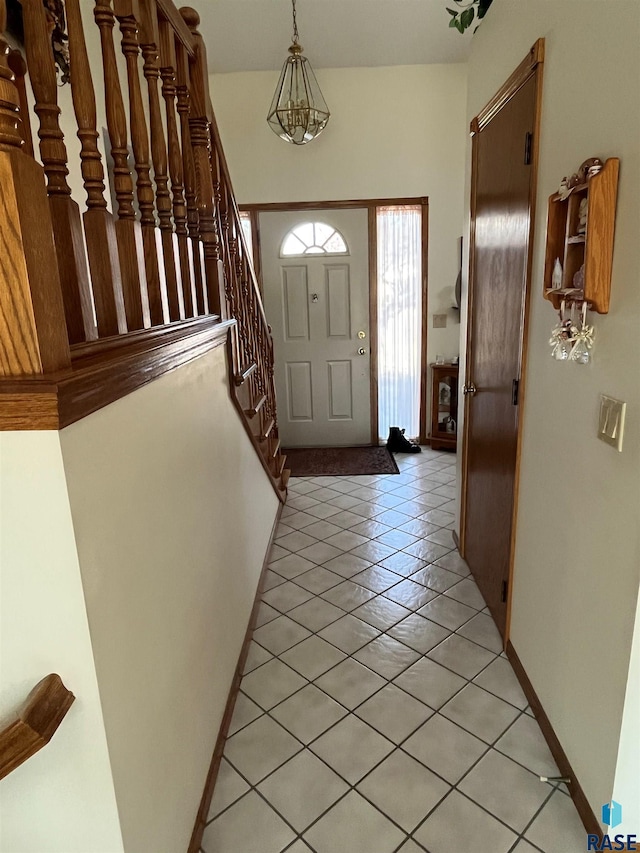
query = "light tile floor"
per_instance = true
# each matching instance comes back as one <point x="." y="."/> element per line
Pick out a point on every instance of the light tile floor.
<point x="377" y="712"/>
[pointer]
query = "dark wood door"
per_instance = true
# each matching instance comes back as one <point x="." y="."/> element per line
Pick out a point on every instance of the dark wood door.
<point x="502" y="189"/>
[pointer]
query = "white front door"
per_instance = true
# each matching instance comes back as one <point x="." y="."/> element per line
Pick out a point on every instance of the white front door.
<point x="316" y="296"/>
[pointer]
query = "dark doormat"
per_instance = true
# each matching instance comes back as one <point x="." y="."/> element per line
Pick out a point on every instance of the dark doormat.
<point x="339" y="461"/>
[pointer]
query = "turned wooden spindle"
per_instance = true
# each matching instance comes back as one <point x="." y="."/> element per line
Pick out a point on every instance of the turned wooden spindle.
<point x="33" y="337"/>
<point x="84" y="106"/>
<point x="168" y="74"/>
<point x="115" y="113"/>
<point x="189" y="172"/>
<point x="67" y="224"/>
<point x="18" y="65"/>
<point x="124" y="11"/>
<point x="99" y="229"/>
<point x="149" y="41"/>
<point x="128" y="230"/>
<point x="42" y="71"/>
<point x="200" y="126"/>
<point x="127" y="12"/>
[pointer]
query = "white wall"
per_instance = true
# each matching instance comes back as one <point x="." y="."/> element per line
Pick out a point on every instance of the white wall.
<point x="62" y="799"/>
<point x="172" y="514"/>
<point x="626" y="787"/>
<point x="576" y="567"/>
<point x="394" y="132"/>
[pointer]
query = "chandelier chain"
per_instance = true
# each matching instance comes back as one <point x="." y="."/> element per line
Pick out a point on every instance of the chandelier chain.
<point x="295" y="23"/>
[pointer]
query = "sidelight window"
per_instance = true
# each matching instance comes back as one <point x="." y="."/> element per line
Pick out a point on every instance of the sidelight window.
<point x="400" y="312"/>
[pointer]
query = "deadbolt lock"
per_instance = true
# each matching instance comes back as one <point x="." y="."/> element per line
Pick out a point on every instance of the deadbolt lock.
<point x="362" y="351"/>
<point x="362" y="335"/>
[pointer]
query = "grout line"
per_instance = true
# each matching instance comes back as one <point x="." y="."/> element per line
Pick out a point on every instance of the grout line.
<point x="387" y="681"/>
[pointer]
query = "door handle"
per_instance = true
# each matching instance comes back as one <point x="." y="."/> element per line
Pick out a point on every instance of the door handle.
<point x="362" y="351"/>
<point x="469" y="389"/>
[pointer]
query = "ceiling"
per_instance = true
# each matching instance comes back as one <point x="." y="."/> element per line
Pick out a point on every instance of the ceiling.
<point x="253" y="35"/>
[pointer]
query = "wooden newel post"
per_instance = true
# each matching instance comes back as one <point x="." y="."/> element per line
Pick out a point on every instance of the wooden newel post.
<point x="200" y="128"/>
<point x="33" y="336"/>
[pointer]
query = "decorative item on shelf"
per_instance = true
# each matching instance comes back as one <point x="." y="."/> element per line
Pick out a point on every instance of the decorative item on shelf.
<point x="582" y="216"/>
<point x="578" y="280"/>
<point x="583" y="339"/>
<point x="556" y="278"/>
<point x="564" y="190"/>
<point x="298" y="112"/>
<point x="587" y="170"/>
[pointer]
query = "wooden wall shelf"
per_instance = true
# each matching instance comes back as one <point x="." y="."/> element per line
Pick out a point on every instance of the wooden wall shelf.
<point x="593" y="249"/>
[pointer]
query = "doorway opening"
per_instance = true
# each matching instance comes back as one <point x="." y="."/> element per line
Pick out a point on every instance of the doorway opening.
<point x="322" y="266"/>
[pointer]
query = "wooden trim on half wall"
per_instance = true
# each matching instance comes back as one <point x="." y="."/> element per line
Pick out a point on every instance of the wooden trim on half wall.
<point x="103" y="371"/>
<point x="207" y="795"/>
<point x="581" y="803"/>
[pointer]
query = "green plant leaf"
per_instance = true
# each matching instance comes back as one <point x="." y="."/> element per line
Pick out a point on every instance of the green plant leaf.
<point x="452" y="12"/>
<point x="467" y="17"/>
<point x="453" y="23"/>
<point x="459" y="25"/>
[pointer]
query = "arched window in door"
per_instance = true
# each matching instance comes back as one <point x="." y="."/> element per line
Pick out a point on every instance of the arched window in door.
<point x="313" y="238"/>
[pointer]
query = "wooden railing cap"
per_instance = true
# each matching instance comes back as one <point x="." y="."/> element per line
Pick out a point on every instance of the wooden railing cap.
<point x="191" y="17"/>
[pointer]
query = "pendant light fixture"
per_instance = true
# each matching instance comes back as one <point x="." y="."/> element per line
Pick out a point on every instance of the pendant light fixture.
<point x="298" y="111"/>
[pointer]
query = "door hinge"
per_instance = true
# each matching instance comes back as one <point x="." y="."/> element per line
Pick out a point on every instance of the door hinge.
<point x="505" y="588"/>
<point x="515" y="392"/>
<point x="528" y="142"/>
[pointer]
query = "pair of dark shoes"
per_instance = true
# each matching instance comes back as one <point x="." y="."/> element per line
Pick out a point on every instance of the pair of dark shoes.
<point x="397" y="443"/>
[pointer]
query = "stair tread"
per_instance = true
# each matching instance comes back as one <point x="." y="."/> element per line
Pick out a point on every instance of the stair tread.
<point x="267" y="430"/>
<point x="252" y="411"/>
<point x="245" y="374"/>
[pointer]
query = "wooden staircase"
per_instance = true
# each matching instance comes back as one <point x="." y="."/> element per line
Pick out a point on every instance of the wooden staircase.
<point x="166" y="276"/>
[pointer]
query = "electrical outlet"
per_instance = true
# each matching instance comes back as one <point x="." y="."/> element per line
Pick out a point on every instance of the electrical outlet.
<point x="611" y="421"/>
<point x="439" y="321"/>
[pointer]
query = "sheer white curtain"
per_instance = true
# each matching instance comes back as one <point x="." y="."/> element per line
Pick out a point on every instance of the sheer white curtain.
<point x="399" y="232"/>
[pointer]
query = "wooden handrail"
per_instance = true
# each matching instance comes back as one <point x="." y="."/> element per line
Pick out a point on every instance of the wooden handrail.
<point x="172" y="251"/>
<point x="44" y="710"/>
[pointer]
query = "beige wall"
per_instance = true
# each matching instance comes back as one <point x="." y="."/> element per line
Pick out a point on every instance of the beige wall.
<point x="577" y="567"/>
<point x="626" y="787"/>
<point x="393" y="132"/>
<point x="62" y="799"/>
<point x="172" y="514"/>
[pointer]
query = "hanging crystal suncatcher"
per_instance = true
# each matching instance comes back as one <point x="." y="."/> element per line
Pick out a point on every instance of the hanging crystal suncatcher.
<point x="298" y="112"/>
<point x="583" y="340"/>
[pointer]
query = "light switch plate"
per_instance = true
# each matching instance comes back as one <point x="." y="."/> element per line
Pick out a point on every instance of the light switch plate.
<point x="439" y="321"/>
<point x="611" y="421"/>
